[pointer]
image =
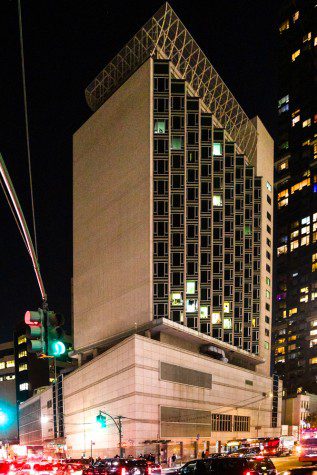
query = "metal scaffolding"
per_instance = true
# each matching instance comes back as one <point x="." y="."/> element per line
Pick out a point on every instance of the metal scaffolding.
<point x="165" y="36"/>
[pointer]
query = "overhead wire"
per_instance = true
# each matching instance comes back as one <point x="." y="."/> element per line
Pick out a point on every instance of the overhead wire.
<point x="26" y="118"/>
<point x="14" y="215"/>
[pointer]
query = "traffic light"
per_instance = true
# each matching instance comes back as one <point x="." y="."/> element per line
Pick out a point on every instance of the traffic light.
<point x="55" y="345"/>
<point x="36" y="331"/>
<point x="45" y="333"/>
<point x="101" y="420"/>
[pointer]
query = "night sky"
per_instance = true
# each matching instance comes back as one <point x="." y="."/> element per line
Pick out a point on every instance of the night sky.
<point x="67" y="42"/>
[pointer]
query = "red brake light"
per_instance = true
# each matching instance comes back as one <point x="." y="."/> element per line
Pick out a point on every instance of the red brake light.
<point x="149" y="470"/>
<point x="123" y="471"/>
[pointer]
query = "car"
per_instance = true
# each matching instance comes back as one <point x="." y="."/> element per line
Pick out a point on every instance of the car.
<point x="119" y="466"/>
<point x="246" y="451"/>
<point x="229" y="466"/>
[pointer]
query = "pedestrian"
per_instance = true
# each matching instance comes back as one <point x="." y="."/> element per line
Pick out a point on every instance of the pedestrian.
<point x="173" y="460"/>
<point x="203" y="455"/>
<point x="117" y="456"/>
<point x="207" y="453"/>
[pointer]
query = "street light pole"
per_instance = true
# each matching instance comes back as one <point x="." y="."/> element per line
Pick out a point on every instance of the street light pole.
<point x="118" y="423"/>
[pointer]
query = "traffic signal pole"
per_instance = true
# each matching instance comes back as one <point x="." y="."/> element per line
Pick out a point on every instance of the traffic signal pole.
<point x="118" y="423"/>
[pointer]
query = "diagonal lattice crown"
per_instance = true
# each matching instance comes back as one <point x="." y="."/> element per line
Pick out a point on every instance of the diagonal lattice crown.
<point x="165" y="36"/>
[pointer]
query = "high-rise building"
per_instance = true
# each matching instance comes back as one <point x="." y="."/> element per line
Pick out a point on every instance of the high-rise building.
<point x="295" y="316"/>
<point x="8" y="407"/>
<point x="173" y="229"/>
<point x="173" y="201"/>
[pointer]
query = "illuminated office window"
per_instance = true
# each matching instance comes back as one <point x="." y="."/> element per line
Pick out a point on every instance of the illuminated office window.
<point x="24" y="386"/>
<point x="295" y="54"/>
<point x="284" y="26"/>
<point x="307" y="37"/>
<point x="306" y="123"/>
<point x="21" y="339"/>
<point x="10" y="364"/>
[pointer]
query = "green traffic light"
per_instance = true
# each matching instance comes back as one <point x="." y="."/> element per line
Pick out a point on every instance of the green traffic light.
<point x="101" y="421"/>
<point x="58" y="348"/>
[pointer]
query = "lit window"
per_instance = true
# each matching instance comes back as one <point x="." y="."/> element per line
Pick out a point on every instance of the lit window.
<point x="21" y="339"/>
<point x="268" y="281"/>
<point x="267" y="294"/>
<point x="282" y="165"/>
<point x="306" y="123"/>
<point x="217" y="148"/>
<point x="313" y="323"/>
<point x="295" y="120"/>
<point x="284" y="145"/>
<point x="160" y="126"/>
<point x="204" y="312"/>
<point x="22" y="354"/>
<point x="268" y="186"/>
<point x="24" y="386"/>
<point x="315" y="41"/>
<point x="307" y="37"/>
<point x="305" y="230"/>
<point x="294" y="245"/>
<point x="2" y="364"/>
<point x="292" y="311"/>
<point x="283" y="100"/>
<point x="23" y="367"/>
<point x="191" y="305"/>
<point x="282" y="198"/>
<point x="294" y="234"/>
<point x="295" y="54"/>
<point x="247" y="230"/>
<point x="313" y="296"/>
<point x="305" y="220"/>
<point x="295" y="16"/>
<point x="215" y="318"/>
<point x="280" y="359"/>
<point x="226" y="307"/>
<point x="314" y="262"/>
<point x="9" y="377"/>
<point x="292" y="338"/>
<point x="304" y="241"/>
<point x="313" y="360"/>
<point x="284" y="26"/>
<point x="176" y="298"/>
<point x="282" y="250"/>
<point x="299" y="186"/>
<point x="177" y="142"/>
<point x="292" y="347"/>
<point x="281" y="340"/>
<point x="217" y="200"/>
<point x="284" y="108"/>
<point x="280" y="350"/>
<point x="10" y="364"/>
<point x="227" y="323"/>
<point x="304" y="299"/>
<point x="190" y="287"/>
<point x="313" y="343"/>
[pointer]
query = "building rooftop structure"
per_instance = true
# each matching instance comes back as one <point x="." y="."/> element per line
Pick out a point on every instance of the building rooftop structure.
<point x="165" y="36"/>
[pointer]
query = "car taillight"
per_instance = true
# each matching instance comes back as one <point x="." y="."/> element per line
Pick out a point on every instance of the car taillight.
<point x="149" y="470"/>
<point x="123" y="471"/>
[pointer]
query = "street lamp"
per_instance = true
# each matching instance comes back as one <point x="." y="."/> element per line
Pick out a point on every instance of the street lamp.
<point x="265" y="396"/>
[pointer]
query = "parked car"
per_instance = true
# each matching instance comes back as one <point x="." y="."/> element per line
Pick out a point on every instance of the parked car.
<point x="117" y="466"/>
<point x="229" y="466"/>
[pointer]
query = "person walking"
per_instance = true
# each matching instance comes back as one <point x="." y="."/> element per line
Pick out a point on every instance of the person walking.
<point x="173" y="460"/>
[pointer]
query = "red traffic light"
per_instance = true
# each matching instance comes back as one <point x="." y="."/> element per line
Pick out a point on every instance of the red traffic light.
<point x="33" y="318"/>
